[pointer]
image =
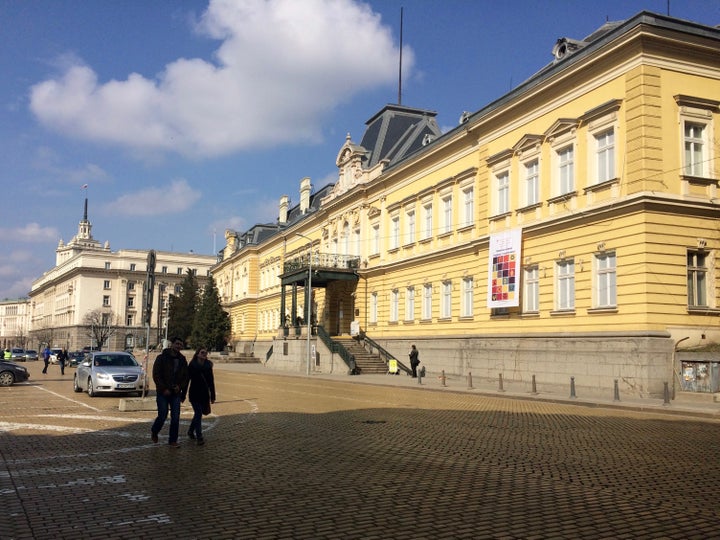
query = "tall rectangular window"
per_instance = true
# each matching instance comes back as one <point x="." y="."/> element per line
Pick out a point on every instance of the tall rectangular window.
<point x="394" y="305"/>
<point x="605" y="280"/>
<point x="410" y="227"/>
<point x="106" y="300"/>
<point x="566" y="170"/>
<point x="694" y="149"/>
<point x="375" y="247"/>
<point x="129" y="320"/>
<point x="132" y="269"/>
<point x="503" y="193"/>
<point x="131" y="301"/>
<point x="468" y="206"/>
<point x="531" y="291"/>
<point x="427" y="231"/>
<point x="107" y="266"/>
<point x="427" y="302"/>
<point x="395" y="232"/>
<point x="410" y="304"/>
<point x="106" y="284"/>
<point x="605" y="151"/>
<point x="532" y="182"/>
<point x="697" y="279"/>
<point x="565" y="284"/>
<point x="467" y="297"/>
<point x="373" y="307"/>
<point x="446" y="225"/>
<point x="446" y="300"/>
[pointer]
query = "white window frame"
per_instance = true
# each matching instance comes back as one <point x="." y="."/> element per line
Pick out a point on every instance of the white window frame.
<point x="395" y="231"/>
<point x="565" y="161"/>
<point x="695" y="149"/>
<point x="565" y="285"/>
<point x="410" y="304"/>
<point x="446" y="300"/>
<point x="410" y="226"/>
<point x="427" y="227"/>
<point x="531" y="182"/>
<point x="502" y="192"/>
<point x="394" y="305"/>
<point x="106" y="301"/>
<point x="605" y="152"/>
<point x="375" y="239"/>
<point x="468" y="193"/>
<point x="467" y="297"/>
<point x="427" y="302"/>
<point x="531" y="289"/>
<point x="605" y="290"/>
<point x="373" y="308"/>
<point x="446" y="202"/>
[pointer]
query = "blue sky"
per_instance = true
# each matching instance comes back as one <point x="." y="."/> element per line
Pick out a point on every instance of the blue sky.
<point x="187" y="118"/>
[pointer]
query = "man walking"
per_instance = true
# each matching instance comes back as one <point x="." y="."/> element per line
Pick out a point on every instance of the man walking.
<point x="46" y="358"/>
<point x="170" y="374"/>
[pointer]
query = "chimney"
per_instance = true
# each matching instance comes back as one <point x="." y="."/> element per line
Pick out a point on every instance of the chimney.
<point x="305" y="187"/>
<point x="284" y="203"/>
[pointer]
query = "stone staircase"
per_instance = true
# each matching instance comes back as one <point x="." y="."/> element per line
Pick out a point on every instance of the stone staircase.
<point x="368" y="363"/>
<point x="234" y="358"/>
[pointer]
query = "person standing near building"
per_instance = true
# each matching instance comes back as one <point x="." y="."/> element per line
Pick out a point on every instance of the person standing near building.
<point x="46" y="358"/>
<point x="7" y="355"/>
<point x="414" y="360"/>
<point x="62" y="358"/>
<point x="170" y="374"/>
<point x="201" y="393"/>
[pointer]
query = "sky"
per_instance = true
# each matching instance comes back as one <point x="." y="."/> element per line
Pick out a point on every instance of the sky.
<point x="185" y="118"/>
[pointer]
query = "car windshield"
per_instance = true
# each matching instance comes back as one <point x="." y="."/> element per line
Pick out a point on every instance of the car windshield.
<point x="114" y="360"/>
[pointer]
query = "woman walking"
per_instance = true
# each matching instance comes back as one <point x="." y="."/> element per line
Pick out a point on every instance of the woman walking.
<point x="202" y="391"/>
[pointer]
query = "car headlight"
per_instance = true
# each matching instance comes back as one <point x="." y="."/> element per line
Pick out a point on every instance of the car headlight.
<point x="20" y="368"/>
<point x="103" y="376"/>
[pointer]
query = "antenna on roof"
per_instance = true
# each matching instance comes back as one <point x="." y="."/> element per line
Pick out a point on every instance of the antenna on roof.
<point x="400" y="67"/>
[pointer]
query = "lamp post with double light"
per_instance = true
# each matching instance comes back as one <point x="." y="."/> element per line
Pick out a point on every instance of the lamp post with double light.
<point x="309" y="299"/>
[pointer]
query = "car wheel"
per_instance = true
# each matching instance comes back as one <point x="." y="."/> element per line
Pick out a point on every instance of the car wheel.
<point x="76" y="386"/>
<point x="6" y="378"/>
<point x="91" y="390"/>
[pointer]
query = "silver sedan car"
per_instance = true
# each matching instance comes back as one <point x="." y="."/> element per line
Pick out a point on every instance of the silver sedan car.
<point x="112" y="372"/>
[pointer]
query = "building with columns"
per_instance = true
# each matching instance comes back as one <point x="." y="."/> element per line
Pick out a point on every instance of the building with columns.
<point x="14" y="322"/>
<point x="89" y="276"/>
<point x="566" y="231"/>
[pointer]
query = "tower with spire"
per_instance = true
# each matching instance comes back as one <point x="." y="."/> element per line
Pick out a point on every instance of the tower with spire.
<point x="82" y="241"/>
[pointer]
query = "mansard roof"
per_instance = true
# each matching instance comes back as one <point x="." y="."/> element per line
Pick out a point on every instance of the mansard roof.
<point x="396" y="132"/>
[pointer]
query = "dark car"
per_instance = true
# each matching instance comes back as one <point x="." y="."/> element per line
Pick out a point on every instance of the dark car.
<point x="11" y="373"/>
<point x="75" y="357"/>
<point x="31" y="355"/>
<point x="17" y="354"/>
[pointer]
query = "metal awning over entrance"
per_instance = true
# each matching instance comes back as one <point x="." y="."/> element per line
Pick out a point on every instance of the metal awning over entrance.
<point x="325" y="269"/>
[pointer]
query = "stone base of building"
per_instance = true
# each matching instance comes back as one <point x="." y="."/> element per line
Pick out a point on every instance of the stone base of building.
<point x="641" y="363"/>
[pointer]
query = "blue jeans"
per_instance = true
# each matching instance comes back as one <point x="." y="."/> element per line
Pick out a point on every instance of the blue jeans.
<point x="171" y="402"/>
<point x="196" y="424"/>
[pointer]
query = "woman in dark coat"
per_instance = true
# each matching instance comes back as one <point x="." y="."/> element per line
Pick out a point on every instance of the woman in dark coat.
<point x="202" y="391"/>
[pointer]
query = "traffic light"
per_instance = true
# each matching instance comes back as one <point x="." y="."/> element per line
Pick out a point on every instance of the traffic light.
<point x="149" y="286"/>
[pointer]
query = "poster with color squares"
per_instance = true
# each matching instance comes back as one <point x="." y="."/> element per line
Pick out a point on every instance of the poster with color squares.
<point x="504" y="269"/>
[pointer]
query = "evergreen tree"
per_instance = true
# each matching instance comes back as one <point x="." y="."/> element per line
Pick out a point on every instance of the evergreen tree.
<point x="182" y="308"/>
<point x="211" y="328"/>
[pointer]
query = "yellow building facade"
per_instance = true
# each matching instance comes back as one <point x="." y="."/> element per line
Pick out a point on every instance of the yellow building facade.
<point x="589" y="194"/>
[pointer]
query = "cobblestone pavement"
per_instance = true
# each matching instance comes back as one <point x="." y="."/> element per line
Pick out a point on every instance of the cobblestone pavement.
<point x="318" y="458"/>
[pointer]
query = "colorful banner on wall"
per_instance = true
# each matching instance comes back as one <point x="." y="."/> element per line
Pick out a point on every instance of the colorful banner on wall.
<point x="504" y="269"/>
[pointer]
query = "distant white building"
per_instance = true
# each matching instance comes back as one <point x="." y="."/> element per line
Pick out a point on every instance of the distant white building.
<point x="14" y="322"/>
<point x="89" y="277"/>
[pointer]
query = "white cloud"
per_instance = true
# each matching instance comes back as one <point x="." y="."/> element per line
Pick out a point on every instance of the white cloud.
<point x="177" y="197"/>
<point x="30" y="232"/>
<point x="281" y="67"/>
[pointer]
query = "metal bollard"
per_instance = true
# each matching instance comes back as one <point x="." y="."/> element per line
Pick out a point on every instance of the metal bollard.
<point x="442" y="377"/>
<point x="469" y="379"/>
<point x="616" y="396"/>
<point x="500" y="381"/>
<point x="666" y="394"/>
<point x="419" y="377"/>
<point x="534" y="386"/>
<point x="572" y="388"/>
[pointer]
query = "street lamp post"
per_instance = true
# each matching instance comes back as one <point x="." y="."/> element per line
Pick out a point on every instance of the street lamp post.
<point x="309" y="300"/>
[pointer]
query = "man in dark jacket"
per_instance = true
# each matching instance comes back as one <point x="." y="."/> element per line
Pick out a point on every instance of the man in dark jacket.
<point x="170" y="374"/>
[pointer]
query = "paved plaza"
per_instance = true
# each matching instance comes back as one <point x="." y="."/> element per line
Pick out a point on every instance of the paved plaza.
<point x="292" y="457"/>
